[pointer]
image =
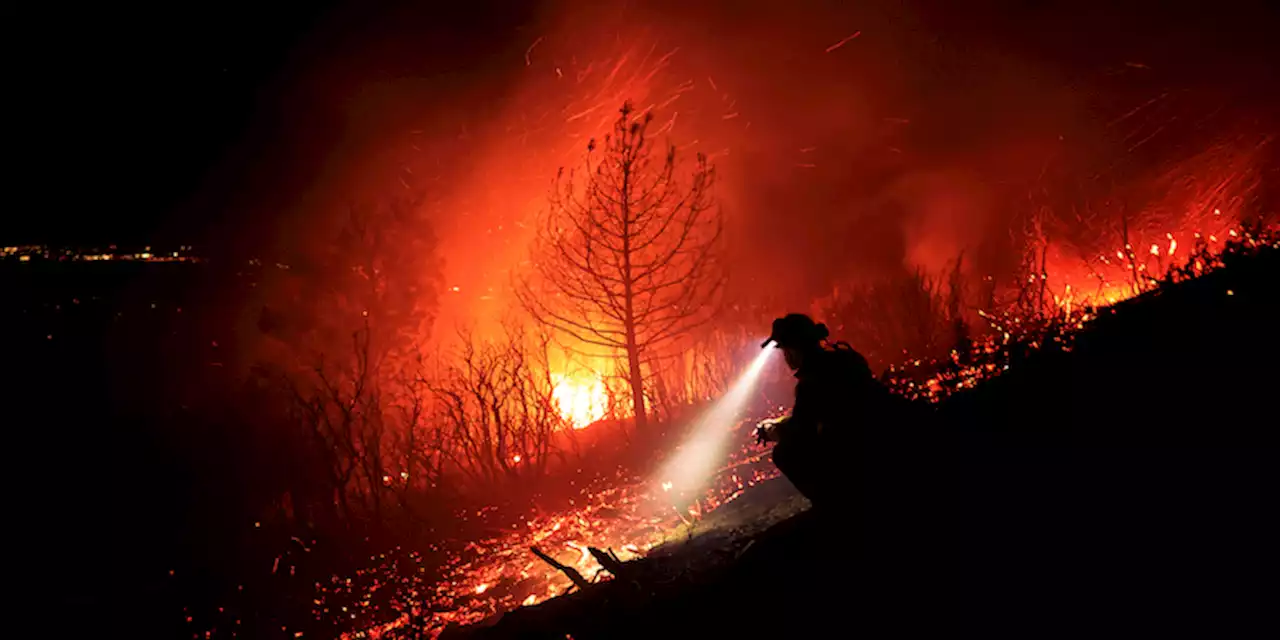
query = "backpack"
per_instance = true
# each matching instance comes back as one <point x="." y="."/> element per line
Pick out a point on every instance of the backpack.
<point x="849" y="362"/>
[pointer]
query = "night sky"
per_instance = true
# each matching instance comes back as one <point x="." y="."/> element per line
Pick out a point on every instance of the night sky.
<point x="153" y="122"/>
<point x="129" y="120"/>
<point x="124" y="110"/>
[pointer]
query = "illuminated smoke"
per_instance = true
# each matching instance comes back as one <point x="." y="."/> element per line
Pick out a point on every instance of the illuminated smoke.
<point x="704" y="449"/>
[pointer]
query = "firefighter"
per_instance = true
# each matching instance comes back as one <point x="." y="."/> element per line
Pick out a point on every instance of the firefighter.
<point x="832" y="383"/>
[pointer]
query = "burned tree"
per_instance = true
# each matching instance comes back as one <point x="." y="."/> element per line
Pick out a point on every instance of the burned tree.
<point x="626" y="258"/>
<point x="495" y="404"/>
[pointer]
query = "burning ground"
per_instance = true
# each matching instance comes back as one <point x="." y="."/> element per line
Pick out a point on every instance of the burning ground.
<point x="497" y="574"/>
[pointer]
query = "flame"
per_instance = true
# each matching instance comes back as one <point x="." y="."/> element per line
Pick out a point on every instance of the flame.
<point x="1125" y="270"/>
<point x="933" y="380"/>
<point x="581" y="398"/>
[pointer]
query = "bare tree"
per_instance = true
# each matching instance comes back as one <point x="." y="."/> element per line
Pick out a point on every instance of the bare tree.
<point x="417" y="445"/>
<point x="342" y="409"/>
<point x="627" y="258"/>
<point x="495" y="405"/>
<point x="700" y="372"/>
<point x="347" y="311"/>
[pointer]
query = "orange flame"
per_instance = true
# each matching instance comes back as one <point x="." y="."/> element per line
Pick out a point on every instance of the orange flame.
<point x="581" y="398"/>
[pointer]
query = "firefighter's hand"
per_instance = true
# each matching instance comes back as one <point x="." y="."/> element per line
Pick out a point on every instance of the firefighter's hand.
<point x="767" y="430"/>
<point x="762" y="434"/>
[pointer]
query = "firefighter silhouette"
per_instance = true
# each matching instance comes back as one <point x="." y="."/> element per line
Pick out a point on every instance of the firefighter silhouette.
<point x="835" y="391"/>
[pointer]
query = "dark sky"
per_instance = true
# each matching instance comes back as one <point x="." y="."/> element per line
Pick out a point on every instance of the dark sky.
<point x="128" y="124"/>
<point x="121" y="110"/>
<point x="123" y="117"/>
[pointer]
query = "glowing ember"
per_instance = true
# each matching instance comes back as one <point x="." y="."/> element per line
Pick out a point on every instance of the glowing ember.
<point x="581" y="398"/>
<point x="499" y="573"/>
<point x="933" y="381"/>
<point x="1121" y="273"/>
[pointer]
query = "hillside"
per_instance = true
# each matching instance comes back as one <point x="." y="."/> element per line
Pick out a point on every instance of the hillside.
<point x="1127" y="483"/>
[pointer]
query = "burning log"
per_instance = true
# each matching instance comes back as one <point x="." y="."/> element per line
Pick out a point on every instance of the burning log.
<point x="569" y="572"/>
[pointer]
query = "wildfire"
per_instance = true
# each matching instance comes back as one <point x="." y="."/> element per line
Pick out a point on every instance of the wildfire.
<point x="934" y="381"/>
<point x="581" y="398"/>
<point x="1124" y="271"/>
<point x="497" y="574"/>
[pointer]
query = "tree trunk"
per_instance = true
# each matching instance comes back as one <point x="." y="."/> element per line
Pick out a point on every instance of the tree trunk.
<point x="628" y="303"/>
<point x="636" y="380"/>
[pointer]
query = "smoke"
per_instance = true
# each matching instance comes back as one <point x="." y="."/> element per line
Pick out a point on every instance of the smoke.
<point x="850" y="141"/>
<point x="808" y="115"/>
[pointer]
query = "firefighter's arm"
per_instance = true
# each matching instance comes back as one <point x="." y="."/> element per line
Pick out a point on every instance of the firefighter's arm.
<point x="804" y="415"/>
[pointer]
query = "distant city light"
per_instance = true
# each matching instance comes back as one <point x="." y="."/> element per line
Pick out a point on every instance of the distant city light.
<point x="43" y="253"/>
